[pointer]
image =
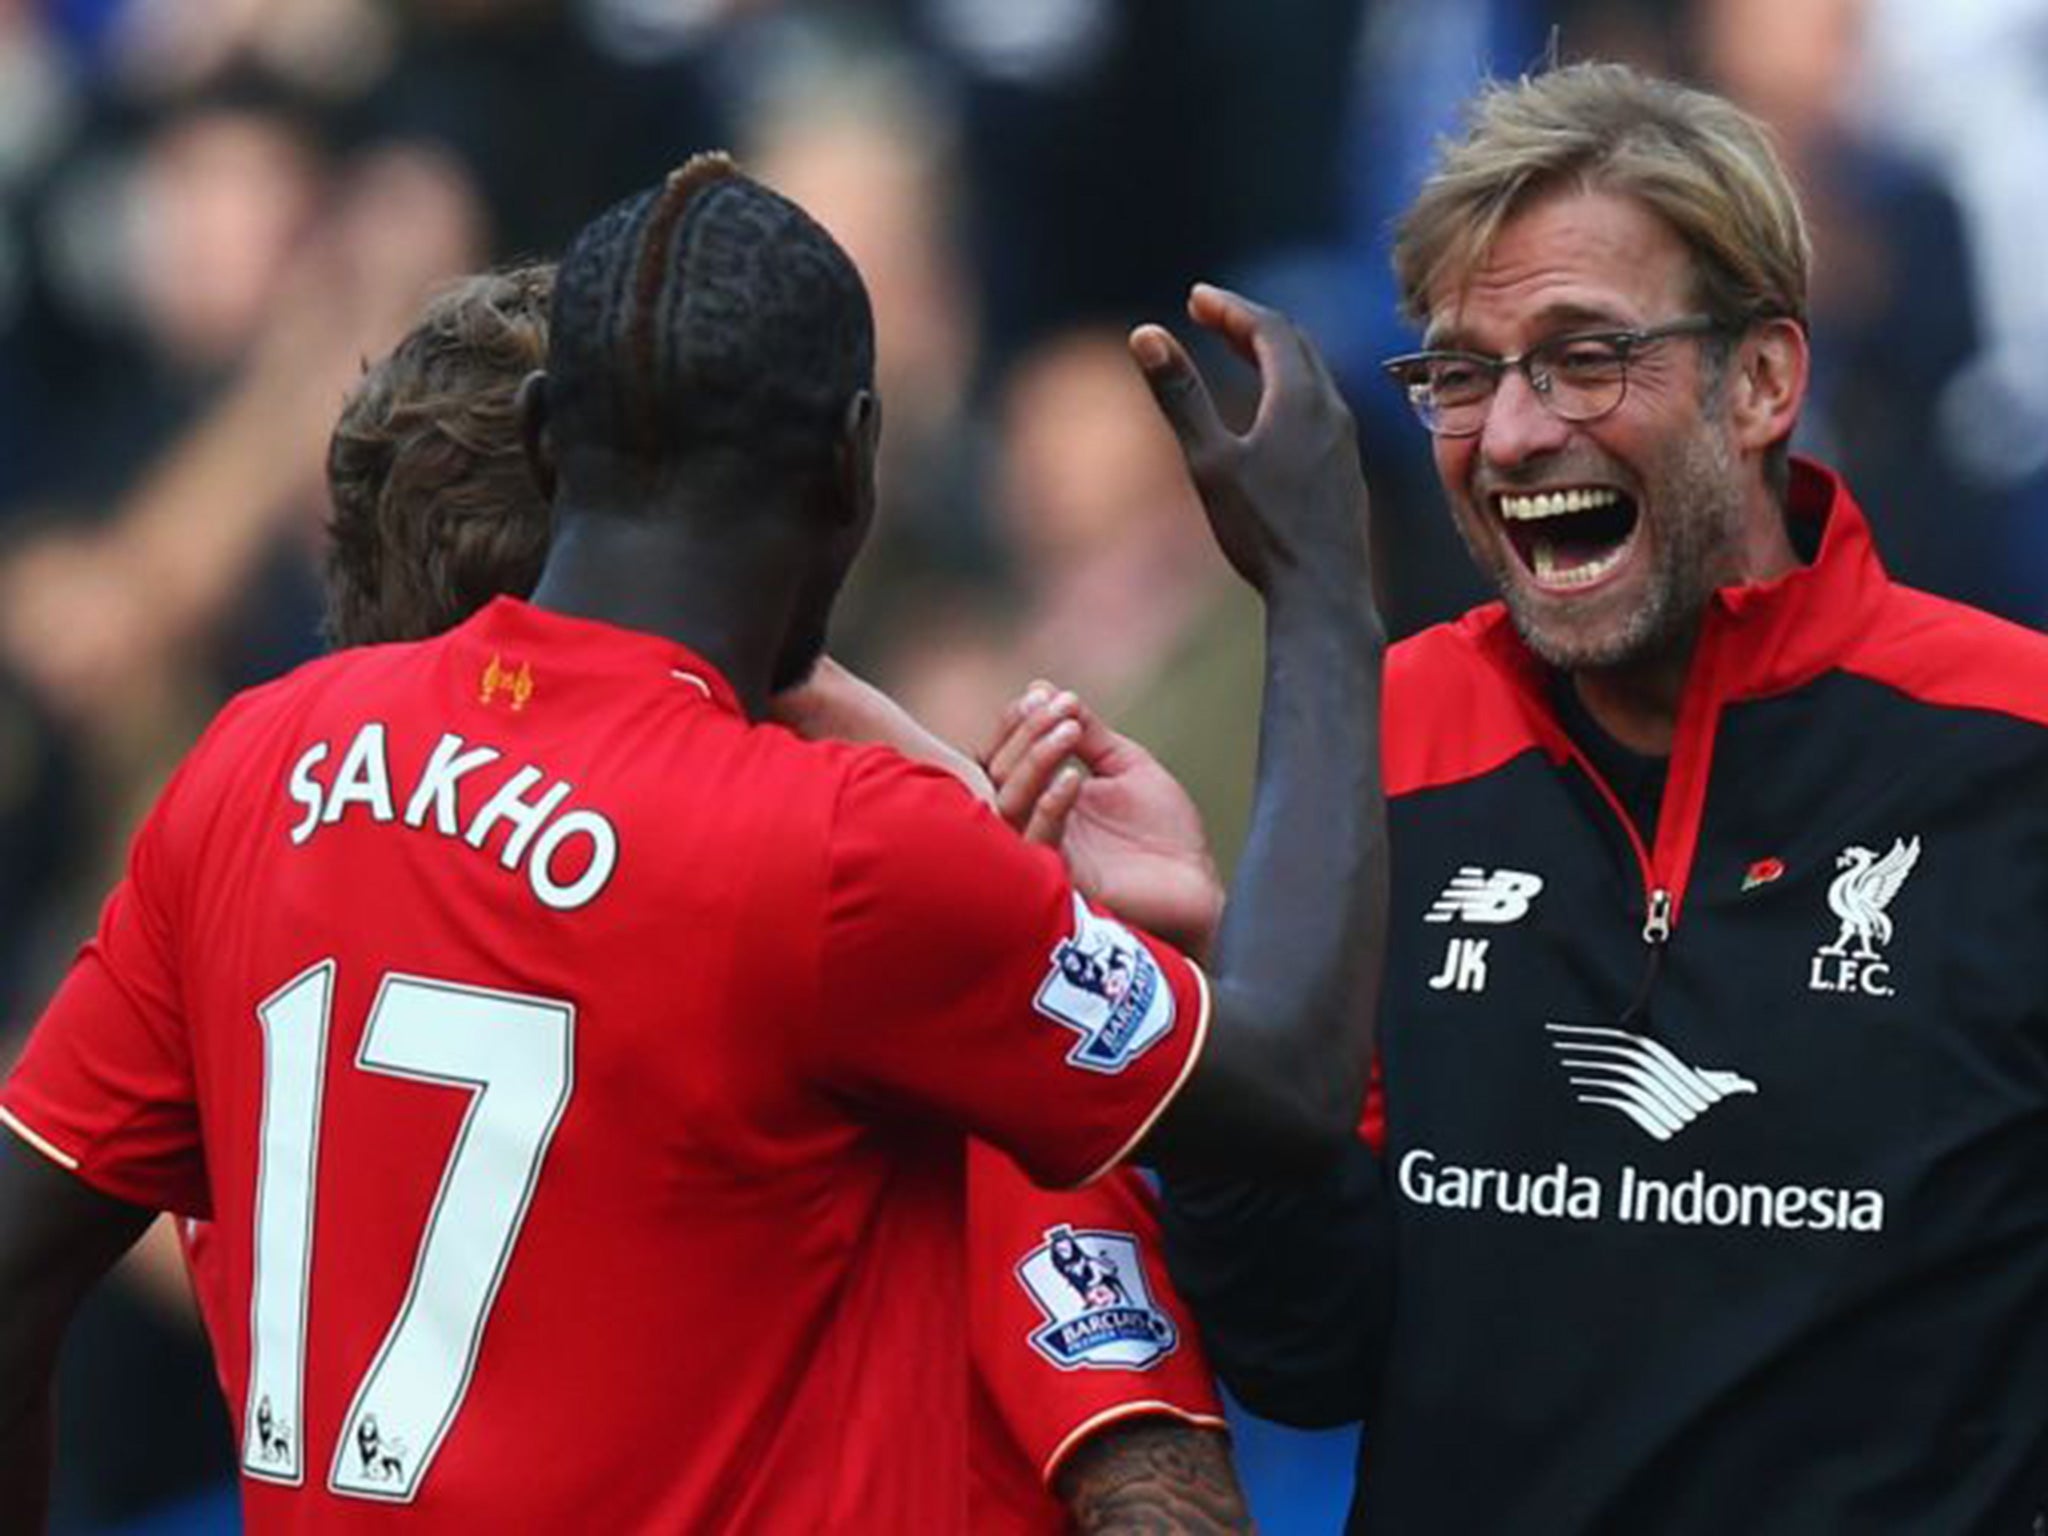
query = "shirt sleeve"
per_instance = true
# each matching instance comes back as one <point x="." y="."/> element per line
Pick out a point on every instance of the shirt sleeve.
<point x="105" y="1086"/>
<point x="964" y="978"/>
<point x="1074" y="1323"/>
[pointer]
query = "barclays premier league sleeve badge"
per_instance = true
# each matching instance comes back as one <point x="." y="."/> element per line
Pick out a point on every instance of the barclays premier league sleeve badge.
<point x="1098" y="1312"/>
<point x="1106" y="986"/>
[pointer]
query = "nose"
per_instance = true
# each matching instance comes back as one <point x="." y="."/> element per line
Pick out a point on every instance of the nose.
<point x="1519" y="426"/>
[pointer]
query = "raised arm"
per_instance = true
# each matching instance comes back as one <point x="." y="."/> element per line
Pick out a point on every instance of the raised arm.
<point x="1296" y="963"/>
<point x="57" y="1236"/>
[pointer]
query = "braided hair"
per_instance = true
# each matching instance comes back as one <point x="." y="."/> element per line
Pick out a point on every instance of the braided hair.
<point x="705" y="318"/>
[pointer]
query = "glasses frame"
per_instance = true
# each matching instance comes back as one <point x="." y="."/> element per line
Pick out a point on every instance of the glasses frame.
<point x="1541" y="381"/>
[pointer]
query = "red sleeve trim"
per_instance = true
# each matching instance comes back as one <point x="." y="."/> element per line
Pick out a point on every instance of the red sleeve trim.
<point x="1147" y="1408"/>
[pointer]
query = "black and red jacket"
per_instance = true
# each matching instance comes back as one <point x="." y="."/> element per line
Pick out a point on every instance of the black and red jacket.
<point x="1711" y="1192"/>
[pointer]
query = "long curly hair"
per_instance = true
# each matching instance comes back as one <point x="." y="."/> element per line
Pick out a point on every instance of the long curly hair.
<point x="435" y="510"/>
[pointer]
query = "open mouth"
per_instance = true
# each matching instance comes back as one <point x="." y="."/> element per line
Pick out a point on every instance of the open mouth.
<point x="1569" y="537"/>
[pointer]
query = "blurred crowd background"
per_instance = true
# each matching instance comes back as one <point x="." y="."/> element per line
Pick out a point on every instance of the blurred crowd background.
<point x="211" y="211"/>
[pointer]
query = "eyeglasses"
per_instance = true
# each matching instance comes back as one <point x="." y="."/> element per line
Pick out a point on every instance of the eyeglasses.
<point x="1580" y="377"/>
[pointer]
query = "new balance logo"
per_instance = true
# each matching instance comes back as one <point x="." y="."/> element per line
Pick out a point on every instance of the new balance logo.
<point x="1614" y="1069"/>
<point x="1476" y="895"/>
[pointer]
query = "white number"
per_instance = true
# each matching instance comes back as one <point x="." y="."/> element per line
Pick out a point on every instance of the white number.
<point x="294" y="1020"/>
<point x="512" y="1055"/>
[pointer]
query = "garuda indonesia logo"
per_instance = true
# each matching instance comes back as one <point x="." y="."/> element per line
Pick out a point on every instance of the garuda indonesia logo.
<point x="1614" y="1069"/>
<point x="1106" y="987"/>
<point x="1098" y="1312"/>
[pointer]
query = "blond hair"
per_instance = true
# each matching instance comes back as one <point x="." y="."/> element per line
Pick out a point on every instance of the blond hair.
<point x="1699" y="162"/>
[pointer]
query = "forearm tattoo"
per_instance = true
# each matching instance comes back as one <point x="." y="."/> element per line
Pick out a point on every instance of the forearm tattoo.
<point x="1153" y="1477"/>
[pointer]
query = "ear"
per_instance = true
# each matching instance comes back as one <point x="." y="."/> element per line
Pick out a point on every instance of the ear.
<point x="860" y="440"/>
<point x="530" y="407"/>
<point x="1768" y="387"/>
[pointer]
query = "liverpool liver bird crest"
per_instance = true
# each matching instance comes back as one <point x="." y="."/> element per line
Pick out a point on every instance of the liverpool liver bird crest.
<point x="1863" y="890"/>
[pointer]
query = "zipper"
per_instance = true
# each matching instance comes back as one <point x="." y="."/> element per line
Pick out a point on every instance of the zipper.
<point x="1657" y="897"/>
<point x="1681" y="807"/>
<point x="1656" y="934"/>
<point x="1657" y="925"/>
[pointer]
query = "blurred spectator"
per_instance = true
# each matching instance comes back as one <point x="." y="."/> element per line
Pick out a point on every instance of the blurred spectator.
<point x="547" y="123"/>
<point x="1119" y="590"/>
<point x="156" y="269"/>
<point x="1893" y="309"/>
<point x="100" y="619"/>
<point x="863" y="139"/>
<point x="1121" y="148"/>
<point x="1416" y="60"/>
<point x="41" y="823"/>
<point x="222" y="198"/>
<point x="1965" y="89"/>
<point x="148" y="259"/>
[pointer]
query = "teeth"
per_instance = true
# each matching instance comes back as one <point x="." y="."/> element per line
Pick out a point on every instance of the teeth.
<point x="1555" y="503"/>
<point x="1544" y="562"/>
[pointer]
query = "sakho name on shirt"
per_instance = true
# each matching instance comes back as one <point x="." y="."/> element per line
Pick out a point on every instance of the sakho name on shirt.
<point x="567" y="852"/>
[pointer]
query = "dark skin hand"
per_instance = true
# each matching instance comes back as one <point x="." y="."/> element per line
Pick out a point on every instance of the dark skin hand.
<point x="1296" y="961"/>
<point x="58" y="1235"/>
<point x="1153" y="1477"/>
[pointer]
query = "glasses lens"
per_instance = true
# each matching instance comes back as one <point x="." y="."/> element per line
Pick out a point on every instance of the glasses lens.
<point x="1448" y="392"/>
<point x="1580" y="377"/>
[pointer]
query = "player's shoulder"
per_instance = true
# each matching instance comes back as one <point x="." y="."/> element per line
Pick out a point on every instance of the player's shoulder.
<point x="246" y="743"/>
<point x="897" y="825"/>
<point x="873" y="779"/>
<point x="850" y="811"/>
<point x="282" y="703"/>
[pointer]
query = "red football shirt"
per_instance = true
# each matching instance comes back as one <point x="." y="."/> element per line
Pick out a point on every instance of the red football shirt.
<point x="576" y="1076"/>
<point x="1074" y="1327"/>
<point x="1052" y="1364"/>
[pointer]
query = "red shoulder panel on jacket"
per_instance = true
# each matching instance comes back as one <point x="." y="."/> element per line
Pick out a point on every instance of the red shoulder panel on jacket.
<point x="1461" y="699"/>
<point x="1946" y="653"/>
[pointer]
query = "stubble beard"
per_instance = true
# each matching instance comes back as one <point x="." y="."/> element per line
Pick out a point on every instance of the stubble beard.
<point x="1698" y="499"/>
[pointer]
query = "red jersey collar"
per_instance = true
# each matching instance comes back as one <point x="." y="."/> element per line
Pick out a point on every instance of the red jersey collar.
<point x="512" y="628"/>
<point x="1763" y="637"/>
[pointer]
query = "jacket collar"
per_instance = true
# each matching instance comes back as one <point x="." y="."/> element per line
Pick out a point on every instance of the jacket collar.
<point x="1759" y="638"/>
